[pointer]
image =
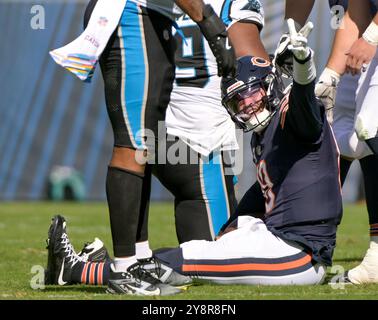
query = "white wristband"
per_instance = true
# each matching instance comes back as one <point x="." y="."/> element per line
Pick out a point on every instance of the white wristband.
<point x="304" y="73"/>
<point x="371" y="34"/>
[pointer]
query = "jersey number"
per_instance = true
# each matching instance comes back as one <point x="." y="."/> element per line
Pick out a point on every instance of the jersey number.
<point x="266" y="186"/>
<point x="190" y="55"/>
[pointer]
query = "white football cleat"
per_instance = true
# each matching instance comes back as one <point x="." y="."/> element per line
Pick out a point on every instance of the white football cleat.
<point x="367" y="270"/>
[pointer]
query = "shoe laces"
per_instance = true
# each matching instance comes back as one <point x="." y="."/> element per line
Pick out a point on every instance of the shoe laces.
<point x="157" y="265"/>
<point x="70" y="251"/>
<point x="140" y="273"/>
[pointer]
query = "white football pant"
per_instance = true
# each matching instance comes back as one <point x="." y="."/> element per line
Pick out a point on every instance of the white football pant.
<point x="251" y="255"/>
<point x="356" y="112"/>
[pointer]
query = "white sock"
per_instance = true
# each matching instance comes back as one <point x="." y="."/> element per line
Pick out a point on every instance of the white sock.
<point x="121" y="264"/>
<point x="143" y="250"/>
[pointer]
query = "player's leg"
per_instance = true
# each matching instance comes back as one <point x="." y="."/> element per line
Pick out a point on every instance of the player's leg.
<point x="204" y="194"/>
<point x="351" y="147"/>
<point x="92" y="265"/>
<point x="345" y="112"/>
<point x="343" y="125"/>
<point x="181" y="177"/>
<point x="366" y="125"/>
<point x="125" y="175"/>
<point x="248" y="255"/>
<point x="137" y="67"/>
<point x="142" y="247"/>
<point x="369" y="166"/>
<point x="367" y="271"/>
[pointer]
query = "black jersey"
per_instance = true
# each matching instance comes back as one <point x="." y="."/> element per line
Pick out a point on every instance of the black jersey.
<point x="297" y="168"/>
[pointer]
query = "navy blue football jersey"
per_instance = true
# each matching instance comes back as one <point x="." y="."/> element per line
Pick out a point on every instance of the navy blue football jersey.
<point x="299" y="174"/>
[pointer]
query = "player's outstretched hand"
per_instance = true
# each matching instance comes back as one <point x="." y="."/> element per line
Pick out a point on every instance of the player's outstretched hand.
<point x="298" y="40"/>
<point x="215" y="33"/>
<point x="325" y="90"/>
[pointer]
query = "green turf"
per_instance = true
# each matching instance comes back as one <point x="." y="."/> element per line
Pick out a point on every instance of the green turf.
<point x="23" y="229"/>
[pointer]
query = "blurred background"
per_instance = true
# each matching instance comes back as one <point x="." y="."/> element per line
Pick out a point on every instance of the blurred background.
<point x="55" y="136"/>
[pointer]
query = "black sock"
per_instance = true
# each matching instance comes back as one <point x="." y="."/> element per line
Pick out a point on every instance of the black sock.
<point x="373" y="144"/>
<point x="369" y="166"/>
<point x="124" y="193"/>
<point x="344" y="169"/>
<point x="142" y="231"/>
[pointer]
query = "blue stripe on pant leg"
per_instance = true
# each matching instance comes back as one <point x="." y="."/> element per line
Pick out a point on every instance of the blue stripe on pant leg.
<point x="215" y="192"/>
<point x="134" y="86"/>
<point x="225" y="13"/>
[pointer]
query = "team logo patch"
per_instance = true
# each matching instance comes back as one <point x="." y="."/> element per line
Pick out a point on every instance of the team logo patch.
<point x="260" y="62"/>
<point x="253" y="5"/>
<point x="103" y="21"/>
<point x="235" y="86"/>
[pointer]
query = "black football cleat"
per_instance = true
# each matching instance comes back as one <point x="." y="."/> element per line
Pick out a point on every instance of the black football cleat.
<point x="61" y="255"/>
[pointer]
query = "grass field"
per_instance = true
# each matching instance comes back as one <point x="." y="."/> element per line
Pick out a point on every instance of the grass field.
<point x="23" y="230"/>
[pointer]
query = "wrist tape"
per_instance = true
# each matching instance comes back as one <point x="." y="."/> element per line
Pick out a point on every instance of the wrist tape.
<point x="371" y="34"/>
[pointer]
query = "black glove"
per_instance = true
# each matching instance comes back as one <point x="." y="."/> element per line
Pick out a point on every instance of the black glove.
<point x="215" y="33"/>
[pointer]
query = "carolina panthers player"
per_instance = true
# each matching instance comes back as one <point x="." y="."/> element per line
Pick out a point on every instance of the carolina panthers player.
<point x="297" y="169"/>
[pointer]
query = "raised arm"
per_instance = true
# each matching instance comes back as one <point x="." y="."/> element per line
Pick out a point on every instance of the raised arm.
<point x="244" y="30"/>
<point x="304" y="115"/>
<point x="194" y="8"/>
<point x="245" y="38"/>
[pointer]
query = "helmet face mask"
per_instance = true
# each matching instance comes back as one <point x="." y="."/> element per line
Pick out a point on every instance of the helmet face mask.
<point x="248" y="107"/>
<point x="251" y="98"/>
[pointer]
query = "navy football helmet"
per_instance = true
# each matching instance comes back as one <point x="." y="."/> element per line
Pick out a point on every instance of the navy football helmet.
<point x="252" y="97"/>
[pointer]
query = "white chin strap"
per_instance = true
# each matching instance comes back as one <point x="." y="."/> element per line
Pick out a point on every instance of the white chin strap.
<point x="260" y="121"/>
